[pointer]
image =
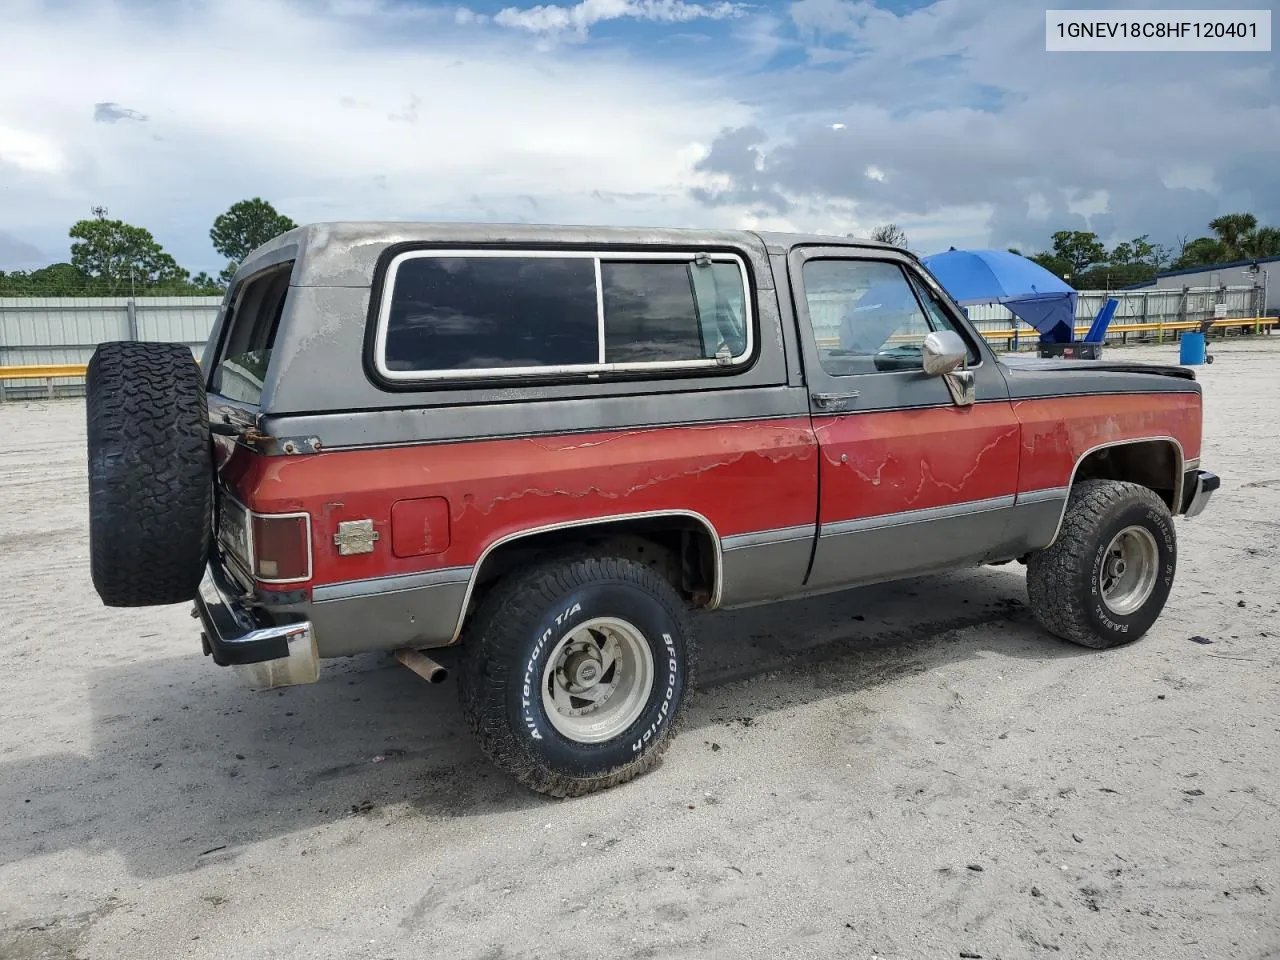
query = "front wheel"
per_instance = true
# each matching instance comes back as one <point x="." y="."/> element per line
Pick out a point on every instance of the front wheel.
<point x="1105" y="579"/>
<point x="573" y="671"/>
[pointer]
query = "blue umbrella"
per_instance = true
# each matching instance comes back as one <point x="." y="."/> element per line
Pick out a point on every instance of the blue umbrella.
<point x="1028" y="290"/>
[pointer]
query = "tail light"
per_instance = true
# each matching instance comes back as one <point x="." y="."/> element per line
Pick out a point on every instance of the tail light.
<point x="281" y="548"/>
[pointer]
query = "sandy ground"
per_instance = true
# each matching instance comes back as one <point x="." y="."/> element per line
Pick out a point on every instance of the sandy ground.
<point x="901" y="772"/>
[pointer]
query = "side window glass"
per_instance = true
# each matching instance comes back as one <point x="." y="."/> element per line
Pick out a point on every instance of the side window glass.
<point x="254" y="318"/>
<point x="490" y="313"/>
<point x="720" y="292"/>
<point x="452" y="315"/>
<point x="938" y="319"/>
<point x="657" y="312"/>
<point x="865" y="316"/>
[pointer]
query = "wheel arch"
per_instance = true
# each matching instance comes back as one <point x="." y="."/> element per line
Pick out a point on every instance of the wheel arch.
<point x="700" y="573"/>
<point x="1158" y="463"/>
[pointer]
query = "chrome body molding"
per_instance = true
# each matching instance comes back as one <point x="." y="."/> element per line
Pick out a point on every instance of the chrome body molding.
<point x="378" y="586"/>
<point x="1047" y="495"/>
<point x="744" y="541"/>
<point x="949" y="511"/>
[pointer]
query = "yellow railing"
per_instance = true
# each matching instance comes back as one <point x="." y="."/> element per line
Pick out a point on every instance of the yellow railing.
<point x="47" y="371"/>
<point x="1159" y="329"/>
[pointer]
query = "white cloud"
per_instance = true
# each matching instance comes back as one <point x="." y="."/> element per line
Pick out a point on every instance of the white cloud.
<point x="329" y="120"/>
<point x="30" y="150"/>
<point x="578" y="18"/>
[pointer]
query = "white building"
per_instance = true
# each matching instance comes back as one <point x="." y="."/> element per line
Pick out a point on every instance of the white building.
<point x="1263" y="273"/>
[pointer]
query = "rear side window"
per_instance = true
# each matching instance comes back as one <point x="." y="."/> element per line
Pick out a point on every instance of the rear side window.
<point x="451" y="315"/>
<point x="671" y="312"/>
<point x="457" y="313"/>
<point x="253" y="319"/>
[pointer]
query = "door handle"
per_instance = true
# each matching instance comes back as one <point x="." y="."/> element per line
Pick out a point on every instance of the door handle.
<point x="832" y="401"/>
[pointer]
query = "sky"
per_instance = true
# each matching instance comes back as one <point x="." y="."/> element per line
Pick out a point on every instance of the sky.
<point x="945" y="117"/>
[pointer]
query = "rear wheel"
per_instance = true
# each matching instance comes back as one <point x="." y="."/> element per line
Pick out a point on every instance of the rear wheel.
<point x="573" y="671"/>
<point x="1105" y="580"/>
<point x="150" y="473"/>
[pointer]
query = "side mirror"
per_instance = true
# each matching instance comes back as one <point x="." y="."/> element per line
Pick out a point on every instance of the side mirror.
<point x="944" y="351"/>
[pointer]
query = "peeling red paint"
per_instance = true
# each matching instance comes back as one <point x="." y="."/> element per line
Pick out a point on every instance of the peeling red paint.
<point x="741" y="476"/>
<point x="912" y="459"/>
<point x="1057" y="432"/>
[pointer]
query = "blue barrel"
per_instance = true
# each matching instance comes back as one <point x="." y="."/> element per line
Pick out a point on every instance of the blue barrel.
<point x="1191" y="352"/>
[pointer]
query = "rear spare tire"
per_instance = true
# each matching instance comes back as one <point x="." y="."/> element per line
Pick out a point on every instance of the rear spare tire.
<point x="150" y="473"/>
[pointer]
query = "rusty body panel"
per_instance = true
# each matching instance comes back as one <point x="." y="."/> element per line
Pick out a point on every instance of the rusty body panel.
<point x="497" y="488"/>
<point x="1057" y="432"/>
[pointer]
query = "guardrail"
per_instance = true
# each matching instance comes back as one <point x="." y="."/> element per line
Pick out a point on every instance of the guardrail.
<point x="48" y="373"/>
<point x="1012" y="335"/>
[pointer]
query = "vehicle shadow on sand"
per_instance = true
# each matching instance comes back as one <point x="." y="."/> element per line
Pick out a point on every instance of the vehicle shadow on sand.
<point x="187" y="765"/>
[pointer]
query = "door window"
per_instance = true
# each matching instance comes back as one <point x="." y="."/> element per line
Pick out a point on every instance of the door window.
<point x="866" y="317"/>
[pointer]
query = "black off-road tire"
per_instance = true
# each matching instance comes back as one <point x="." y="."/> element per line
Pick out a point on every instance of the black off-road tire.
<point x="1063" y="579"/>
<point x="513" y="634"/>
<point x="150" y="473"/>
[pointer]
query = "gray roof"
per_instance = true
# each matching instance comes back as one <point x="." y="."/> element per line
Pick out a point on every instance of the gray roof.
<point x="343" y="253"/>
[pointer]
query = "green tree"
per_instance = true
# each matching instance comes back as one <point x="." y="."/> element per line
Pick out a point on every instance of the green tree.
<point x="55" y="280"/>
<point x="1236" y="231"/>
<point x="121" y="257"/>
<point x="1140" y="252"/>
<point x="1080" y="248"/>
<point x="1263" y="242"/>
<point x="1058" y="266"/>
<point x="1202" y="252"/>
<point x="203" y="285"/>
<point x="244" y="227"/>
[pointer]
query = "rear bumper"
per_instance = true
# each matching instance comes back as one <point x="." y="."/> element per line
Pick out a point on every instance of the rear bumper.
<point x="1197" y="490"/>
<point x="266" y="657"/>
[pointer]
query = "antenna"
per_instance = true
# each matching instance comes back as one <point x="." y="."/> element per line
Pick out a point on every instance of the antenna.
<point x="99" y="212"/>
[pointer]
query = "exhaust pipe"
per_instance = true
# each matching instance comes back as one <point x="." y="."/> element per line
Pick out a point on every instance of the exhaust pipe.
<point x="422" y="665"/>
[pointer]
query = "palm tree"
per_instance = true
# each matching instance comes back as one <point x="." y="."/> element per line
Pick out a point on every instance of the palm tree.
<point x="1238" y="233"/>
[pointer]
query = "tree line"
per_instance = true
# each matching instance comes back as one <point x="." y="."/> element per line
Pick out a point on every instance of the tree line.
<point x="111" y="258"/>
<point x="1081" y="258"/>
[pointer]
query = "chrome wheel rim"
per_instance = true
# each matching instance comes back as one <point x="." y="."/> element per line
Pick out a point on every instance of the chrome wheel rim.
<point x="597" y="680"/>
<point x="1129" y="569"/>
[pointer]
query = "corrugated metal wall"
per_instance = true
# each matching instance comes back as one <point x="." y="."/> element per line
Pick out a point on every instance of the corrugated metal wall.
<point x="44" y="330"/>
<point x="65" y="330"/>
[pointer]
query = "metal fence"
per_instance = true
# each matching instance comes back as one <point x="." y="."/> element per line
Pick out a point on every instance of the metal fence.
<point x="1142" y="306"/>
<point x="39" y="331"/>
<point x="35" y="331"/>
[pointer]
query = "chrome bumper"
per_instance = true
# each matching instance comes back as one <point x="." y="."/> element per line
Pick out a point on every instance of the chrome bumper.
<point x="265" y="657"/>
<point x="1198" y="490"/>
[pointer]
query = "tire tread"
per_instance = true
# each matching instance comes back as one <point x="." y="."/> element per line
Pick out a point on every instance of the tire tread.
<point x="495" y="636"/>
<point x="1053" y="573"/>
<point x="150" y="473"/>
